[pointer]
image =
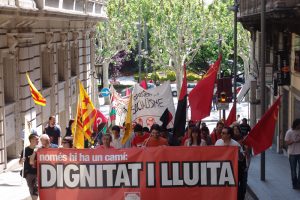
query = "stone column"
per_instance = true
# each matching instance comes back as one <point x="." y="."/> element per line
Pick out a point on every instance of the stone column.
<point x="94" y="82"/>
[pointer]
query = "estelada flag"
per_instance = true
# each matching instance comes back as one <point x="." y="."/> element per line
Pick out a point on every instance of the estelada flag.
<point x="86" y="114"/>
<point x="232" y="116"/>
<point x="166" y="118"/>
<point x="180" y="115"/>
<point x="128" y="122"/>
<point x="261" y="136"/>
<point x="37" y="97"/>
<point x="201" y="96"/>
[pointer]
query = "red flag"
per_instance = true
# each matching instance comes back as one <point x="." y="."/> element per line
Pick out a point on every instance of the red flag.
<point x="201" y="96"/>
<point x="100" y="118"/>
<point x="232" y="116"/>
<point x="261" y="136"/>
<point x="180" y="115"/>
<point x="143" y="84"/>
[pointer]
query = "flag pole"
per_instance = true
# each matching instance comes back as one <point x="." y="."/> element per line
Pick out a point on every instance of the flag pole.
<point x="262" y="81"/>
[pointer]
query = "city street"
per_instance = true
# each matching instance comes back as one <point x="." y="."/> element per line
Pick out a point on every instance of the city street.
<point x="150" y="99"/>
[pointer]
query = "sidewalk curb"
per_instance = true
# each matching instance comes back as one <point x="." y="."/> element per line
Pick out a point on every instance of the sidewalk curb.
<point x="251" y="193"/>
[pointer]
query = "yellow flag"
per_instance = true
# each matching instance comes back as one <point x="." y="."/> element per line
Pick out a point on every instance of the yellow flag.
<point x="128" y="122"/>
<point x="85" y="117"/>
<point x="37" y="97"/>
<point x="88" y="112"/>
<point x="77" y="129"/>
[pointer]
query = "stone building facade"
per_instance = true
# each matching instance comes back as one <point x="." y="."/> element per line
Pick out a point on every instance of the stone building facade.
<point x="52" y="40"/>
<point x="282" y="57"/>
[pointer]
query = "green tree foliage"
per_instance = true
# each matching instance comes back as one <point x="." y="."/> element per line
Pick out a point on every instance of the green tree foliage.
<point x="180" y="31"/>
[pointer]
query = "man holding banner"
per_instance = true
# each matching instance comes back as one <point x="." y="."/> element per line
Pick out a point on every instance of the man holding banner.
<point x="29" y="172"/>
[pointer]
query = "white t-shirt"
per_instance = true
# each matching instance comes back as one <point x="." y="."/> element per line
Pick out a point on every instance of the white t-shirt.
<point x="293" y="135"/>
<point x="220" y="142"/>
<point x="117" y="143"/>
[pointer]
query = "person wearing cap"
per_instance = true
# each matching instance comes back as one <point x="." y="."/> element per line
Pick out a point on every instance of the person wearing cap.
<point x="30" y="172"/>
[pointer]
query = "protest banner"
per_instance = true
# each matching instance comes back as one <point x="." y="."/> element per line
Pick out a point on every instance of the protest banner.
<point x="120" y="104"/>
<point x="138" y="173"/>
<point x="149" y="105"/>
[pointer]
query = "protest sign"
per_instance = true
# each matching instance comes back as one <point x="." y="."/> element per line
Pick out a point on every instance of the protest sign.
<point x="138" y="173"/>
<point x="149" y="105"/>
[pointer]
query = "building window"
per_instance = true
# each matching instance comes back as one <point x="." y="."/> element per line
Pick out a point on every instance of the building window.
<point x="9" y="78"/>
<point x="62" y="63"/>
<point x="74" y="60"/>
<point x="297" y="61"/>
<point x="47" y="63"/>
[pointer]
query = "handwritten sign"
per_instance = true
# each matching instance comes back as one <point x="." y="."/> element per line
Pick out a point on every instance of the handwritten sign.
<point x="149" y="105"/>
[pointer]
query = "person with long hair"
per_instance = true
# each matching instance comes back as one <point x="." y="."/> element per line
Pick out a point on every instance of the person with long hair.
<point x="195" y="138"/>
<point x="205" y="135"/>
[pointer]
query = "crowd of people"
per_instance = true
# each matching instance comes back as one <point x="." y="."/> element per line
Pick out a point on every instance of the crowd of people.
<point x="196" y="134"/>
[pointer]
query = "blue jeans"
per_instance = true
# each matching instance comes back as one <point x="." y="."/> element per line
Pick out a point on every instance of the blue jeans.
<point x="294" y="161"/>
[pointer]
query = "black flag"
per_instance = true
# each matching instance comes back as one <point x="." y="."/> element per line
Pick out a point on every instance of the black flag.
<point x="180" y="115"/>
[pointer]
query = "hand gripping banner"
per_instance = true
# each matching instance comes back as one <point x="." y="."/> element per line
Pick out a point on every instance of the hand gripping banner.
<point x="138" y="173"/>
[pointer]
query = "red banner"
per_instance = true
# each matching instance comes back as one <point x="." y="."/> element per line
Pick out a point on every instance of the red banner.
<point x="138" y="173"/>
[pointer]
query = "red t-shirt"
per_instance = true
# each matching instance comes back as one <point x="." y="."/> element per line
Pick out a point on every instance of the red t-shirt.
<point x="138" y="140"/>
<point x="152" y="142"/>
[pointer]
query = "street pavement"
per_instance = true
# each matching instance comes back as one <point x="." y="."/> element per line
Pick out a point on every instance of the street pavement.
<point x="278" y="185"/>
<point x="13" y="187"/>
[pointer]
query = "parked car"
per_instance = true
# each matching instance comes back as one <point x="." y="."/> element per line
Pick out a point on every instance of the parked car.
<point x="190" y="86"/>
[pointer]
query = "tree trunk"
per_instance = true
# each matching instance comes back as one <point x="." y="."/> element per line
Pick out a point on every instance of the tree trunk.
<point x="105" y="79"/>
<point x="178" y="71"/>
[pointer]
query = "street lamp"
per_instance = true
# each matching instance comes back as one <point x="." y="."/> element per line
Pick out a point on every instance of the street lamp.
<point x="98" y="74"/>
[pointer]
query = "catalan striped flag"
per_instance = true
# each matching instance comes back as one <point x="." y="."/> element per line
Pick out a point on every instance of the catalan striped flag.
<point x="128" y="122"/>
<point x="77" y="128"/>
<point x="37" y="97"/>
<point x="86" y="114"/>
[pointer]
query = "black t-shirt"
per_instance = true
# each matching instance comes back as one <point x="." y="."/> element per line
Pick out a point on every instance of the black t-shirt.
<point x="54" y="133"/>
<point x="28" y="169"/>
<point x="245" y="129"/>
<point x="68" y="131"/>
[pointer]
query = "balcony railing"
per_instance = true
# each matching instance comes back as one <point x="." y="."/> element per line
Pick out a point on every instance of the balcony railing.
<point x="252" y="7"/>
<point x="83" y="7"/>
